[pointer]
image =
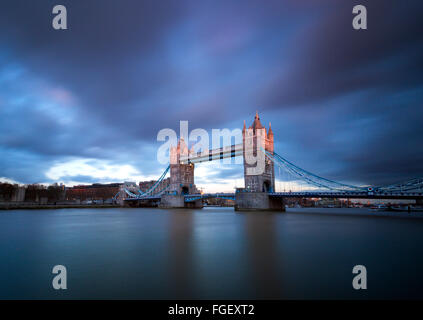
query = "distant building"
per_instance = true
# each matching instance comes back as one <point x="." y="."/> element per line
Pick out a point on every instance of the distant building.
<point x="19" y="194"/>
<point x="129" y="184"/>
<point x="96" y="191"/>
<point x="12" y="192"/>
<point x="147" y="185"/>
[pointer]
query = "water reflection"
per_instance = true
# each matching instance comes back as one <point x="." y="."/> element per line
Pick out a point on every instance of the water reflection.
<point x="180" y="262"/>
<point x="210" y="255"/>
<point x="213" y="253"/>
<point x="263" y="254"/>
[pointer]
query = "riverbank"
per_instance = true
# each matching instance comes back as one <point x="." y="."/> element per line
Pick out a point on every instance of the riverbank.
<point x="16" y="206"/>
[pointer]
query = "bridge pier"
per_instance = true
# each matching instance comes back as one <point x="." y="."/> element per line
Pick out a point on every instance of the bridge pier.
<point x="258" y="201"/>
<point x="172" y="201"/>
<point x="140" y="203"/>
<point x="178" y="201"/>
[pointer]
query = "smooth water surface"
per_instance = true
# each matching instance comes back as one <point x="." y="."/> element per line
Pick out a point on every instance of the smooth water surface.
<point x="212" y="253"/>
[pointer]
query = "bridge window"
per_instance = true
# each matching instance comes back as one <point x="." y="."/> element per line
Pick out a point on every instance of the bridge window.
<point x="185" y="190"/>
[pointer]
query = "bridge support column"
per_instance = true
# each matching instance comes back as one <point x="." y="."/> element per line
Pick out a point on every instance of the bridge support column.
<point x="121" y="196"/>
<point x="197" y="204"/>
<point x="419" y="202"/>
<point x="178" y="201"/>
<point x="258" y="201"/>
<point x="172" y="201"/>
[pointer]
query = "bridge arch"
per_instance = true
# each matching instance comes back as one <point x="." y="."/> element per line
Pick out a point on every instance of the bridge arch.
<point x="184" y="190"/>
<point x="267" y="186"/>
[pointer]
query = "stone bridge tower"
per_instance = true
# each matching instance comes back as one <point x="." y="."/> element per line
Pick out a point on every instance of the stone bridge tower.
<point x="181" y="180"/>
<point x="181" y="174"/>
<point x="259" y="175"/>
<point x="261" y="180"/>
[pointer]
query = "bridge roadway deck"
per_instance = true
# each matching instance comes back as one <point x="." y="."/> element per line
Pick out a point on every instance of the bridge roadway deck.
<point x="350" y="195"/>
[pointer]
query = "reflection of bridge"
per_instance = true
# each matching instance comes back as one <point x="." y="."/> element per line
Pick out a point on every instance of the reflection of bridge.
<point x="259" y="192"/>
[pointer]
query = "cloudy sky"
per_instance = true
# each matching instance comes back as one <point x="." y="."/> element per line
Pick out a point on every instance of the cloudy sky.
<point x="85" y="104"/>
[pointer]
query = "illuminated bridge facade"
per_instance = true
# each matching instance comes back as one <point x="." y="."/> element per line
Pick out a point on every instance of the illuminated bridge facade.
<point x="259" y="192"/>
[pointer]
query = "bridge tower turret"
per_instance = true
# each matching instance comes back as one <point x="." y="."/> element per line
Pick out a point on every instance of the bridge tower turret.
<point x="258" y="180"/>
<point x="181" y="174"/>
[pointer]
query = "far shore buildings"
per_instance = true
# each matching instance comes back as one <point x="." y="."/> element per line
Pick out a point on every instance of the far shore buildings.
<point x="109" y="191"/>
<point x="36" y="193"/>
<point x="146" y="185"/>
<point x="55" y="193"/>
<point x="96" y="191"/>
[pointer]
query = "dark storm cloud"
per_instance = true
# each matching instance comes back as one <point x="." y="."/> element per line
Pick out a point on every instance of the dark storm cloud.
<point x="356" y="96"/>
<point x="344" y="103"/>
<point x="105" y="57"/>
<point x="335" y="59"/>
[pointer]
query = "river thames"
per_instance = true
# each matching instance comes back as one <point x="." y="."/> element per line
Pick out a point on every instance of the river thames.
<point x="210" y="253"/>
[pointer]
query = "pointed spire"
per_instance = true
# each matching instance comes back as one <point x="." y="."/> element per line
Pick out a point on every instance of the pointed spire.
<point x="257" y="124"/>
<point x="182" y="146"/>
<point x="245" y="127"/>
<point x="270" y="132"/>
<point x="180" y="141"/>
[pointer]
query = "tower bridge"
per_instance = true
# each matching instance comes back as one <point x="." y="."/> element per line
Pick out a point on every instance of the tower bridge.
<point x="259" y="192"/>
